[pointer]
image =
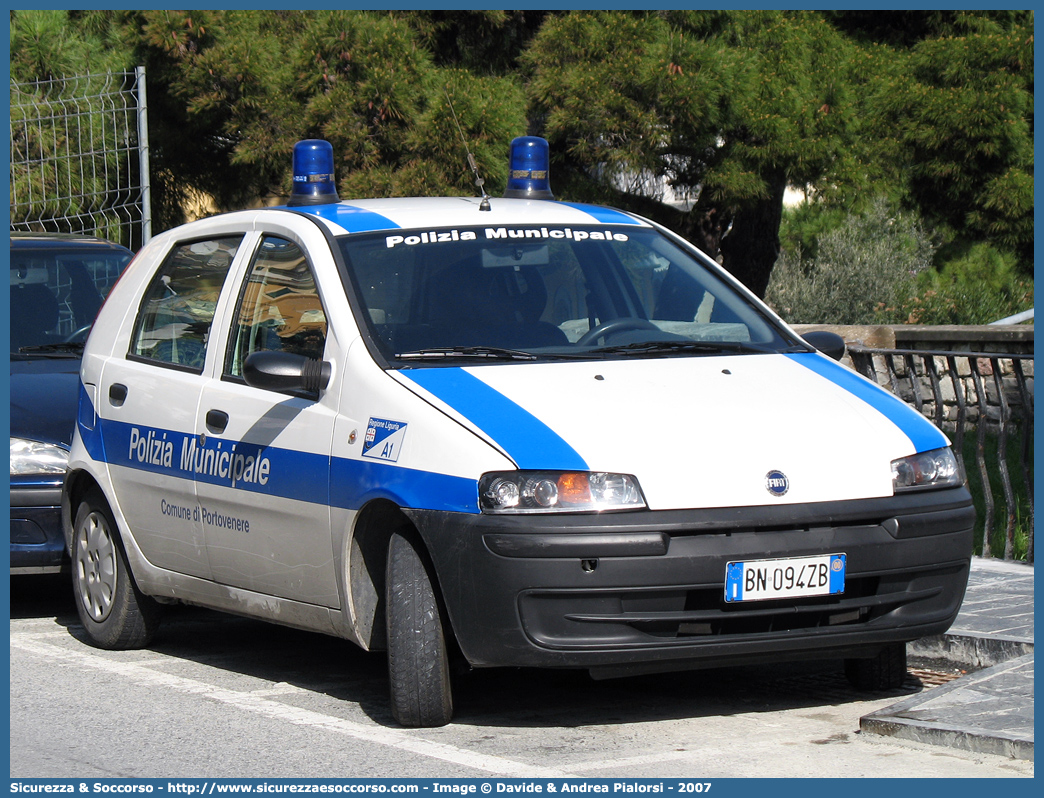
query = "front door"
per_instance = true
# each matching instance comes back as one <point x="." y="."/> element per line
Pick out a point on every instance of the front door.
<point x="263" y="487"/>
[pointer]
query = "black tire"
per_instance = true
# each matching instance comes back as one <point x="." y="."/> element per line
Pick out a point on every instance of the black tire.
<point x="115" y="614"/>
<point x="418" y="659"/>
<point x="886" y="671"/>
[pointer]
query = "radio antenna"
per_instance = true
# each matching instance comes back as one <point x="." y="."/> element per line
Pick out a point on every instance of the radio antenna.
<point x="484" y="205"/>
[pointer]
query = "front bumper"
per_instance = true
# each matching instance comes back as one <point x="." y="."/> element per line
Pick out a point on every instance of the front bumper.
<point x="614" y="591"/>
<point x="37" y="539"/>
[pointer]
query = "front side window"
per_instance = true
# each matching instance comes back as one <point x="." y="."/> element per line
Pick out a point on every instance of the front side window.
<point x="279" y="310"/>
<point x="548" y="293"/>
<point x="175" y="315"/>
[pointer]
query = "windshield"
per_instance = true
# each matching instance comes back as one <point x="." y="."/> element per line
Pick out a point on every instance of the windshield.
<point x="56" y="293"/>
<point x="545" y="292"/>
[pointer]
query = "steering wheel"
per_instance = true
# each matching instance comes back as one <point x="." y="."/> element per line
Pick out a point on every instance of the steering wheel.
<point x="614" y="326"/>
<point x="78" y="335"/>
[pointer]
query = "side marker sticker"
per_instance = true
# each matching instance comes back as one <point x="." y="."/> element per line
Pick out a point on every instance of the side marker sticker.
<point x="383" y="439"/>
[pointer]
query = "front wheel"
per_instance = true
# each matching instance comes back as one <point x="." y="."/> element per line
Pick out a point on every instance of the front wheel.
<point x="115" y="614"/>
<point x="886" y="671"/>
<point x="418" y="660"/>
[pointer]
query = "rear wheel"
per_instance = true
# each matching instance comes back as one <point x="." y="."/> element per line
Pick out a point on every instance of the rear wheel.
<point x="115" y="614"/>
<point x="886" y="671"/>
<point x="418" y="660"/>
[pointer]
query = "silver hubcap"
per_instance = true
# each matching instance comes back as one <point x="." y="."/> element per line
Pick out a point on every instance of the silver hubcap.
<point x="96" y="566"/>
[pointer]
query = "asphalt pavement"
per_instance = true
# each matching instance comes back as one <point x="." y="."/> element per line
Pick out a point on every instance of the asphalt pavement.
<point x="990" y="708"/>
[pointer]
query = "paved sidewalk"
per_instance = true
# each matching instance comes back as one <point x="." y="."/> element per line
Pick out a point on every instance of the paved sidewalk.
<point x="989" y="710"/>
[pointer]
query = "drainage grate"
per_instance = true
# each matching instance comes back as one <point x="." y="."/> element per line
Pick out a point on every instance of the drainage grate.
<point x="833" y="686"/>
<point x="932" y="678"/>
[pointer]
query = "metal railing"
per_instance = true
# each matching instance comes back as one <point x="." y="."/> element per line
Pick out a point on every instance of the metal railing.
<point x="987" y="397"/>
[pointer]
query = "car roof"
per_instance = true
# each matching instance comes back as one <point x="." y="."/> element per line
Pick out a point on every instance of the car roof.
<point x="26" y="240"/>
<point x="420" y="213"/>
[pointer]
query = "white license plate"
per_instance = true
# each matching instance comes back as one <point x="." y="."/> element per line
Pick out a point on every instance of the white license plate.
<point x="790" y="577"/>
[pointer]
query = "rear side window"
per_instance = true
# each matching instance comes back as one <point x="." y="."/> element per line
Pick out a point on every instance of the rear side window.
<point x="279" y="310"/>
<point x="175" y="315"/>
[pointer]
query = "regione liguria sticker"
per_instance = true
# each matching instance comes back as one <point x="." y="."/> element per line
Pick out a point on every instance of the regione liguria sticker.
<point x="383" y="439"/>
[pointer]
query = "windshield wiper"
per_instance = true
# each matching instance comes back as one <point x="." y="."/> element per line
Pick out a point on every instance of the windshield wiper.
<point x="449" y="352"/>
<point x="660" y="347"/>
<point x="60" y="349"/>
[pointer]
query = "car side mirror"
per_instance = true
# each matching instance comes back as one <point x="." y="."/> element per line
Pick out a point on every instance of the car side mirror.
<point x="285" y="371"/>
<point x="829" y="343"/>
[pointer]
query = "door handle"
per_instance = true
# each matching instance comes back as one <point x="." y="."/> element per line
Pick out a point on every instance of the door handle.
<point x="117" y="394"/>
<point x="217" y="420"/>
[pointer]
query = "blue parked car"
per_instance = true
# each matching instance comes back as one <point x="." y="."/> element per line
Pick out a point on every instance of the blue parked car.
<point x="58" y="283"/>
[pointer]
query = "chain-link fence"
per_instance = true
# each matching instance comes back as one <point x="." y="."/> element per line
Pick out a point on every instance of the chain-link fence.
<point x="79" y="157"/>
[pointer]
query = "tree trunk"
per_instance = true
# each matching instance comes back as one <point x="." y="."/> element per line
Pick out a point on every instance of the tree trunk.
<point x="749" y="250"/>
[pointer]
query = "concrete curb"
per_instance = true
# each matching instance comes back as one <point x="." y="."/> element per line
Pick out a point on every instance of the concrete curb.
<point x="969" y="650"/>
<point x="988" y="711"/>
<point x="984" y="712"/>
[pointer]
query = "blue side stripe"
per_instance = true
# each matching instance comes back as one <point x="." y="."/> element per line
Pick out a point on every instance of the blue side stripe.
<point x="355" y="482"/>
<point x="289" y="474"/>
<point x="921" y="432"/>
<point x="352" y="219"/>
<point x="603" y="215"/>
<point x="526" y="439"/>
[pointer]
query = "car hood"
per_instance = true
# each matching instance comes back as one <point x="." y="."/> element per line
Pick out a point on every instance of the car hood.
<point x="44" y="398"/>
<point x="695" y="431"/>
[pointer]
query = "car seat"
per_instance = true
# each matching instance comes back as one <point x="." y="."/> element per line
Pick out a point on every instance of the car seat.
<point x="34" y="315"/>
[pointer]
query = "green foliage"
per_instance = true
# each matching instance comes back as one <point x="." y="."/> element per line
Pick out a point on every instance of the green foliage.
<point x="932" y="110"/>
<point x="726" y="108"/>
<point x="961" y="108"/>
<point x="980" y="287"/>
<point x="804" y="224"/>
<point x="861" y="266"/>
<point x="64" y="161"/>
<point x="877" y="268"/>
<point x="482" y="42"/>
<point x="490" y="112"/>
<point x="47" y="45"/>
<point x="249" y="84"/>
<point x="711" y="107"/>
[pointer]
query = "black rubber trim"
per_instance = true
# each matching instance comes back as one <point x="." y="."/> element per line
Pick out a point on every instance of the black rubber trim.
<point x="637" y="544"/>
<point x="46" y="496"/>
<point x="839" y="607"/>
<point x="921" y="524"/>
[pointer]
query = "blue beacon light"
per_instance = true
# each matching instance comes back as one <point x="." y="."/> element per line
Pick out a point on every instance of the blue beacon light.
<point x="313" y="174"/>
<point x="528" y="176"/>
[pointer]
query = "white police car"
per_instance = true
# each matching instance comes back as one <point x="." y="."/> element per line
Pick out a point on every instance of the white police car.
<point x="513" y="431"/>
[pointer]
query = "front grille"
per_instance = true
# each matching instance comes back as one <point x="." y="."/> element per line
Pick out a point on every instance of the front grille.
<point x="704" y="612"/>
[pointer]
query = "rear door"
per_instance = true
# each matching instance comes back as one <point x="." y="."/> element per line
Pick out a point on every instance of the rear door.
<point x="149" y="397"/>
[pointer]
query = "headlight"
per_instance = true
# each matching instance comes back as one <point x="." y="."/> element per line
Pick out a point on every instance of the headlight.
<point x="33" y="457"/>
<point x="558" y="492"/>
<point x="938" y="468"/>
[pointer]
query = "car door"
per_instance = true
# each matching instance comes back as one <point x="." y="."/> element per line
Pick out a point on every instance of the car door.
<point x="148" y="401"/>
<point x="264" y="491"/>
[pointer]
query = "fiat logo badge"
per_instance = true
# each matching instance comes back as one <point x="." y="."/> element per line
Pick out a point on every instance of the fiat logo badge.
<point x="776" y="483"/>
